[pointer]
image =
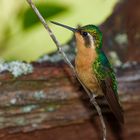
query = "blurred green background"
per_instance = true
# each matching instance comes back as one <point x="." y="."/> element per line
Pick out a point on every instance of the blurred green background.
<point x="22" y="36"/>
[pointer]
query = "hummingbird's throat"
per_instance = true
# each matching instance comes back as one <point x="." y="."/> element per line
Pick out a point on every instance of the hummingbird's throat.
<point x="83" y="48"/>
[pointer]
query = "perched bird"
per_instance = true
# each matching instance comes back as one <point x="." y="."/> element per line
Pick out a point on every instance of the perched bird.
<point x="93" y="67"/>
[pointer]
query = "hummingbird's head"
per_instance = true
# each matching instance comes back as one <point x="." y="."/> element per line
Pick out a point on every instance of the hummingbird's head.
<point x="91" y="35"/>
<point x="88" y="36"/>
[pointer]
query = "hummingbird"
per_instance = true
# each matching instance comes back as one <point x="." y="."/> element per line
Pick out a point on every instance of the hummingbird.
<point x="93" y="68"/>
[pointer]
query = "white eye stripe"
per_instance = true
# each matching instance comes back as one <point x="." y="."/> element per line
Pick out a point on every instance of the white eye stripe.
<point x="92" y="40"/>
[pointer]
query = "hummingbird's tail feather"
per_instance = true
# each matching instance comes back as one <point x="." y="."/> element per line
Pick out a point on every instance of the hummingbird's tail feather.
<point x="112" y="100"/>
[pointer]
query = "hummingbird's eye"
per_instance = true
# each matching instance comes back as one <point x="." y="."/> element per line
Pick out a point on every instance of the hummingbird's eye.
<point x="84" y="34"/>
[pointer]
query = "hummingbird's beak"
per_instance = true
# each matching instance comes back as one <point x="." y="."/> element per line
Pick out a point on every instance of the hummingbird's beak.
<point x="65" y="26"/>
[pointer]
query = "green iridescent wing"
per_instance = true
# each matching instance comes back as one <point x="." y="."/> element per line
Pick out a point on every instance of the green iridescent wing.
<point x="108" y="84"/>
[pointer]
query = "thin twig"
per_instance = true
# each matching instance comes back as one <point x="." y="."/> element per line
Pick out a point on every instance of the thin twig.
<point x="92" y="98"/>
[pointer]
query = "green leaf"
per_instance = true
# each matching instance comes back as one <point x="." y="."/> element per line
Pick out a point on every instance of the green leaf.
<point x="47" y="10"/>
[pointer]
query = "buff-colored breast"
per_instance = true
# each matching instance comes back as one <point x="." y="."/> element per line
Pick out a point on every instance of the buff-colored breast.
<point x="84" y="60"/>
<point x="86" y="74"/>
